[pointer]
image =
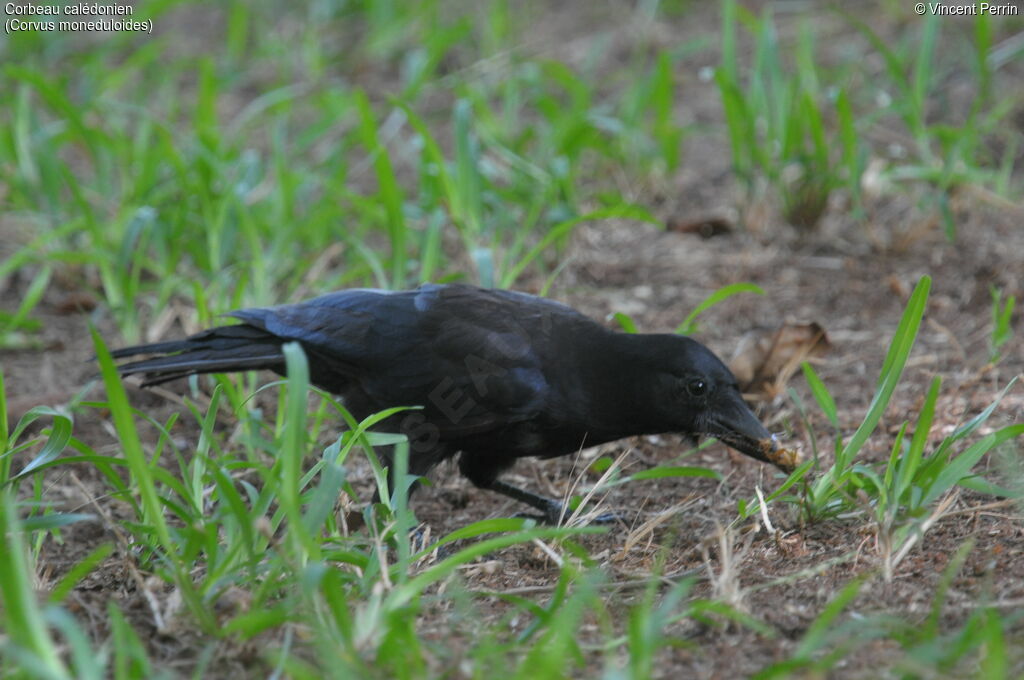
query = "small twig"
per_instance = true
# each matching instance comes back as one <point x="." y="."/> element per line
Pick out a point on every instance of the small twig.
<point x="764" y="510"/>
<point x="547" y="550"/>
<point x="666" y="579"/>
<point x="985" y="506"/>
<point x="576" y="515"/>
<point x="126" y="554"/>
<point x="648" y="527"/>
<point x="726" y="583"/>
<point x="939" y="513"/>
<point x="805" y="573"/>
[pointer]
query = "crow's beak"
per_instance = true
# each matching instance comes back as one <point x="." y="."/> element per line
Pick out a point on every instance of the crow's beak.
<point x="733" y="423"/>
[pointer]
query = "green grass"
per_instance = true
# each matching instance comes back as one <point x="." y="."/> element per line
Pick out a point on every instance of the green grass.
<point x="154" y="191"/>
<point x="777" y="118"/>
<point x="907" y="495"/>
<point x="800" y="131"/>
<point x="274" y="151"/>
<point x="926" y="650"/>
<point x="1002" y="317"/>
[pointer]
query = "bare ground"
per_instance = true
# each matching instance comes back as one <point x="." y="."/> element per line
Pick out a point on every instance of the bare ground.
<point x="854" y="281"/>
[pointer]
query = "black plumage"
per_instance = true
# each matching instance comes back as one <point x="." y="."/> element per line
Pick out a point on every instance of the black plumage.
<point x="500" y="375"/>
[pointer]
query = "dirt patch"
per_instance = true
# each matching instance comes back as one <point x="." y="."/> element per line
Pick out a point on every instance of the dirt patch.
<point x="853" y="283"/>
<point x="658" y="278"/>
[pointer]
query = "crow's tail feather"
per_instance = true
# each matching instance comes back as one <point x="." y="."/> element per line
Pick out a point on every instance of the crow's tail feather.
<point x="219" y="350"/>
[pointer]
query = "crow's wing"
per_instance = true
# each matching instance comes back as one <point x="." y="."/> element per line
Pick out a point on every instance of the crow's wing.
<point x="468" y="356"/>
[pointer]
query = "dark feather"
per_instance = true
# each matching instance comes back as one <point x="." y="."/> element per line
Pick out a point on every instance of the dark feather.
<point x="500" y="375"/>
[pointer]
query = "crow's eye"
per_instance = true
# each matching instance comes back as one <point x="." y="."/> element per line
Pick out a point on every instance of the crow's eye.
<point x="697" y="387"/>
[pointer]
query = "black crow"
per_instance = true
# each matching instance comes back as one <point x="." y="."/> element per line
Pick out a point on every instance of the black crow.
<point x="500" y="375"/>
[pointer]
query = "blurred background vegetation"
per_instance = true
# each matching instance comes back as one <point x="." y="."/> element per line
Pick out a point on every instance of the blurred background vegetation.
<point x="251" y="153"/>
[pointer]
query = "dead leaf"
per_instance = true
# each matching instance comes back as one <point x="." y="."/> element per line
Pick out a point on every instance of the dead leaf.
<point x="706" y="228"/>
<point x="76" y="302"/>
<point x="765" y="360"/>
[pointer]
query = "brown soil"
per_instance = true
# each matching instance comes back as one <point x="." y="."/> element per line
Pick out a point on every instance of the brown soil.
<point x="853" y="280"/>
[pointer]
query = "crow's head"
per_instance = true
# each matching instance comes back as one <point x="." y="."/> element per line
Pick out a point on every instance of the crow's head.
<point x="698" y="394"/>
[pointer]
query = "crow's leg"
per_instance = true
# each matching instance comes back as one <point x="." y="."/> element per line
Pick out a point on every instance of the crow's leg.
<point x="552" y="512"/>
<point x="483" y="472"/>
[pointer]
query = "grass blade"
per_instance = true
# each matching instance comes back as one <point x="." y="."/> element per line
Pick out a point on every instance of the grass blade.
<point x="689" y="325"/>
<point x="892" y="367"/>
